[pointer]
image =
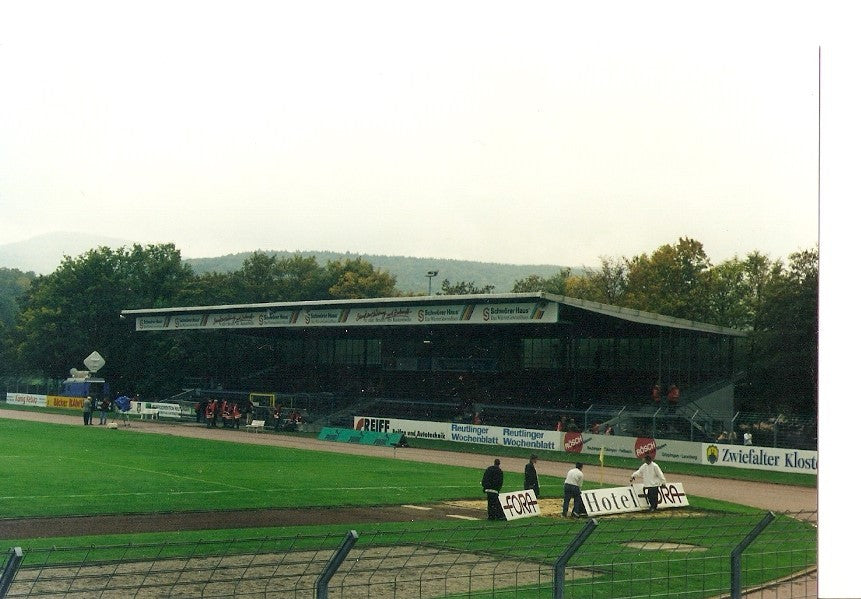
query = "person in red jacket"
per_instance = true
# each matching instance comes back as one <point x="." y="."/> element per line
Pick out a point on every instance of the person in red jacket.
<point x="673" y="397"/>
<point x="656" y="394"/>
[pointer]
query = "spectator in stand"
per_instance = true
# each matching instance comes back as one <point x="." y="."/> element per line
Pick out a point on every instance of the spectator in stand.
<point x="656" y="395"/>
<point x="530" y="476"/>
<point x="673" y="397"/>
<point x="748" y="438"/>
<point x="560" y="426"/>
<point x="237" y="415"/>
<point x="491" y="482"/>
<point x="596" y="428"/>
<point x="211" y="412"/>
<point x="609" y="430"/>
<point x="276" y="418"/>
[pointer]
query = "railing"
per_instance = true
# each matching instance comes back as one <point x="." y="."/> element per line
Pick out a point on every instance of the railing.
<point x="685" y="555"/>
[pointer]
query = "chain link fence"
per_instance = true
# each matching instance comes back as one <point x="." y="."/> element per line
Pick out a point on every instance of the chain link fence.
<point x="684" y="555"/>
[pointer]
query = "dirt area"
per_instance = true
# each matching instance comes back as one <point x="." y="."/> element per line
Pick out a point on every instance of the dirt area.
<point x="778" y="498"/>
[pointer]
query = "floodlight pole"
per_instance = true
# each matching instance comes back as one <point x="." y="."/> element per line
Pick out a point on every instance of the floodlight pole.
<point x="430" y="275"/>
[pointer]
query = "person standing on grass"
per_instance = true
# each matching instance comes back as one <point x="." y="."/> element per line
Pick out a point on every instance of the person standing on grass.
<point x="88" y="409"/>
<point x="571" y="490"/>
<point x="530" y="476"/>
<point x="491" y="482"/>
<point x="104" y="408"/>
<point x="653" y="477"/>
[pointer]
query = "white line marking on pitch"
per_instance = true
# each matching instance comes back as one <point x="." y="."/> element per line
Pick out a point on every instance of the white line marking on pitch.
<point x="460" y="517"/>
<point x="417" y="507"/>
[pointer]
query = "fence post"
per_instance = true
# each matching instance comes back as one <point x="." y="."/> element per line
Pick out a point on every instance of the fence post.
<point x="735" y="556"/>
<point x="16" y="556"/>
<point x="334" y="563"/>
<point x="562" y="560"/>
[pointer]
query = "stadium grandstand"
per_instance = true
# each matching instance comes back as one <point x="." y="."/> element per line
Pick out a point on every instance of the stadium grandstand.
<point x="533" y="360"/>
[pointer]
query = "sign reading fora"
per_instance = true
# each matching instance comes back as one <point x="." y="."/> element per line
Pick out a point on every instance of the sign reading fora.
<point x="620" y="500"/>
<point x="519" y="504"/>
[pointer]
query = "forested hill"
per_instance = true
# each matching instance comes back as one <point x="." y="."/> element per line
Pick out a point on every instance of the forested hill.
<point x="410" y="272"/>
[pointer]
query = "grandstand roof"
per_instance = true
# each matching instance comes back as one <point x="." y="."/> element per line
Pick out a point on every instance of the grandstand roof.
<point x="493" y="309"/>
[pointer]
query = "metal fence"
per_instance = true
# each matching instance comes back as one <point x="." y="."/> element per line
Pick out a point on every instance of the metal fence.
<point x="694" y="554"/>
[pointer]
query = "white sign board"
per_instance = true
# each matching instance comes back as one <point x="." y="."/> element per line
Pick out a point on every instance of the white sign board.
<point x="620" y="500"/>
<point x="519" y="504"/>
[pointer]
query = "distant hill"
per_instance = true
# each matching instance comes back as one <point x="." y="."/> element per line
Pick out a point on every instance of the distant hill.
<point x="411" y="272"/>
<point x="42" y="255"/>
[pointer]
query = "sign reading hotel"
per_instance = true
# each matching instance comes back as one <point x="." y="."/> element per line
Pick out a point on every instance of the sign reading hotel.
<point x="481" y="313"/>
<point x="621" y="500"/>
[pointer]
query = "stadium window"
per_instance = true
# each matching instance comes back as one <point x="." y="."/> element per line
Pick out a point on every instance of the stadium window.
<point x="373" y="352"/>
<point x="541" y="353"/>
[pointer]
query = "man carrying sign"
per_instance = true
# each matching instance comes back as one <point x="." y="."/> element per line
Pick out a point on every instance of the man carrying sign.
<point x="653" y="477"/>
<point x="491" y="482"/>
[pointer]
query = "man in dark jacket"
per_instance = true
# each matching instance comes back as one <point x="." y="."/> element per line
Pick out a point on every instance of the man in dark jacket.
<point x="491" y="482"/>
<point x="530" y="475"/>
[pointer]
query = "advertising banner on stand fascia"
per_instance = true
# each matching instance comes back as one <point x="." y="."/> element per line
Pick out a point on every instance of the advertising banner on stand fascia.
<point x="776" y="459"/>
<point x="632" y="447"/>
<point x="463" y="433"/>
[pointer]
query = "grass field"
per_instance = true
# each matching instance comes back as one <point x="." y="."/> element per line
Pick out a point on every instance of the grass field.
<point x="51" y="470"/>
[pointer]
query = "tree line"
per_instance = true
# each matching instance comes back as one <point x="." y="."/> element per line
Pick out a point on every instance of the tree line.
<point x="49" y="323"/>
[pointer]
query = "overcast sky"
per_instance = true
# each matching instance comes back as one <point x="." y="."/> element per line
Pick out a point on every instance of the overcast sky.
<point x="507" y="132"/>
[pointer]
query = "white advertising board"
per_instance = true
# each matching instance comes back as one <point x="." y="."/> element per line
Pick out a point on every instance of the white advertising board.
<point x="776" y="459"/>
<point x="785" y="460"/>
<point x="463" y="433"/>
<point x="519" y="504"/>
<point x="27" y="399"/>
<point x="620" y="500"/>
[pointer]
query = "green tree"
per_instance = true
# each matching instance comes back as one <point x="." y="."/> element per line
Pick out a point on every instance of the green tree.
<point x="357" y="278"/>
<point x="76" y="309"/>
<point x="556" y="284"/>
<point x="784" y="344"/>
<point x="737" y="290"/>
<point x="673" y="281"/>
<point x="463" y="288"/>
<point x="606" y="285"/>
